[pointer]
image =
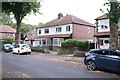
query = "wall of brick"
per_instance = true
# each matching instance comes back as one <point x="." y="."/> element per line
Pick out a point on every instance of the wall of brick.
<point x="4" y="35"/>
<point x="81" y="32"/>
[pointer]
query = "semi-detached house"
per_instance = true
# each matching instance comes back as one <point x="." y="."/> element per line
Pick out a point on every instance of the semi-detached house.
<point x="62" y="28"/>
<point x="7" y="31"/>
<point x="102" y="33"/>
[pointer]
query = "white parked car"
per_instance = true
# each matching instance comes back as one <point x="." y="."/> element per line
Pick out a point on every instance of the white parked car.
<point x="22" y="48"/>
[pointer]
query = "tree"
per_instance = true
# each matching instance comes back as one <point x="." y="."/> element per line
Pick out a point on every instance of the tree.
<point x="114" y="15"/>
<point x="6" y="19"/>
<point x="19" y="10"/>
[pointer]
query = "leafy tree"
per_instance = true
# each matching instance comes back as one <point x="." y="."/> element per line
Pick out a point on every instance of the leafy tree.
<point x="6" y="19"/>
<point x="19" y="10"/>
<point x="114" y="15"/>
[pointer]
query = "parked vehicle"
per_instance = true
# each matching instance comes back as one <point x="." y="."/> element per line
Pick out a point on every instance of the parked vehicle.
<point x="106" y="59"/>
<point x="22" y="48"/>
<point x="7" y="47"/>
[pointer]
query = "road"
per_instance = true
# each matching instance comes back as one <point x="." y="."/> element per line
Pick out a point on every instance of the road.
<point x="37" y="65"/>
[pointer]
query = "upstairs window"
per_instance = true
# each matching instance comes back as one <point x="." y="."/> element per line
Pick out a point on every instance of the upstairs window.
<point x="104" y="27"/>
<point x="88" y="29"/>
<point x="58" y="29"/>
<point x="39" y="31"/>
<point x="68" y="28"/>
<point x="46" y="30"/>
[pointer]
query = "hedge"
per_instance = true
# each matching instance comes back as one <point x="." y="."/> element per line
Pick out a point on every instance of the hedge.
<point x="69" y="46"/>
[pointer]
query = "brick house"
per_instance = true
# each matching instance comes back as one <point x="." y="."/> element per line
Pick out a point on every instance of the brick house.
<point x="62" y="28"/>
<point x="102" y="34"/>
<point x="7" y="31"/>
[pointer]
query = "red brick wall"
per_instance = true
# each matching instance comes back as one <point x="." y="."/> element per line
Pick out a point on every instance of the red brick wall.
<point x="4" y="35"/>
<point x="81" y="32"/>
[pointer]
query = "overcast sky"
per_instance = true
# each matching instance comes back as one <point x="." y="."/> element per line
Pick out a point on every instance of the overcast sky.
<point x="84" y="9"/>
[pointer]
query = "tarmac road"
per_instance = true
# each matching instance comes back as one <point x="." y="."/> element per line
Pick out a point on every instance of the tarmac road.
<point x="38" y="65"/>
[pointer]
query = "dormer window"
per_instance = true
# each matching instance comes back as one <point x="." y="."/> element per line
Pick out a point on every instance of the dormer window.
<point x="46" y="30"/>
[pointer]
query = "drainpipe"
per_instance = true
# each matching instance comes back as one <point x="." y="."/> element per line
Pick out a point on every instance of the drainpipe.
<point x="95" y="31"/>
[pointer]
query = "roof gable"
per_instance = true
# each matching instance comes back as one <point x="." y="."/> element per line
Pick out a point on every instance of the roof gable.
<point x="102" y="17"/>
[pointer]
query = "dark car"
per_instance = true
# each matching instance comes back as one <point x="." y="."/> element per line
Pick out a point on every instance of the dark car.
<point x="7" y="48"/>
<point x="106" y="59"/>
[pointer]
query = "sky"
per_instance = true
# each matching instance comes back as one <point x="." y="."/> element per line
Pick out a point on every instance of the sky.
<point x="87" y="10"/>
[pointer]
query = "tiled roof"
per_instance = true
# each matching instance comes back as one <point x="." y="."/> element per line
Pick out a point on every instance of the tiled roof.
<point x="6" y="28"/>
<point x="66" y="20"/>
<point x="102" y="17"/>
<point x="31" y="37"/>
<point x="55" y="36"/>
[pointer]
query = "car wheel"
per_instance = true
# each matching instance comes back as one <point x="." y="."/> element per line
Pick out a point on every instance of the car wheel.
<point x="18" y="52"/>
<point x="91" y="65"/>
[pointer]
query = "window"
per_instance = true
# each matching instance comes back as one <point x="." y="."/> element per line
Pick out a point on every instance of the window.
<point x="58" y="29"/>
<point x="46" y="30"/>
<point x="56" y="42"/>
<point x="39" y="31"/>
<point x="68" y="28"/>
<point x="104" y="27"/>
<point x="101" y="42"/>
<point x="44" y="42"/>
<point x="106" y="41"/>
<point x="8" y="34"/>
<point x="88" y="29"/>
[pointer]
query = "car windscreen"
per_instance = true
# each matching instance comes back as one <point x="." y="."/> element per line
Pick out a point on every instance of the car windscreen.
<point x="25" y="46"/>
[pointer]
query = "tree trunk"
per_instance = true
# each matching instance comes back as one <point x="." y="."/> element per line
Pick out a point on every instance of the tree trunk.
<point x="17" y="37"/>
<point x="113" y="35"/>
<point x="113" y="25"/>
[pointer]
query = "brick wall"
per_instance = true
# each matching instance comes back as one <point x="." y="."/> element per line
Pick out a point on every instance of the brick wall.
<point x="81" y="32"/>
<point x="4" y="35"/>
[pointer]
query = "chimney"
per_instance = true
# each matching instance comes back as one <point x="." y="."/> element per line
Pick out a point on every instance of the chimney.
<point x="60" y="15"/>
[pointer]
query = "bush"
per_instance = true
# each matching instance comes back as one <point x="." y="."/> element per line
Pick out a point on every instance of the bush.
<point x="80" y="44"/>
<point x="7" y="41"/>
<point x="70" y="46"/>
<point x="68" y="43"/>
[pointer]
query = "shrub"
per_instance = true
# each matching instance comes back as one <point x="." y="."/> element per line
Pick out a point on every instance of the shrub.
<point x="7" y="41"/>
<point x="80" y="44"/>
<point x="68" y="43"/>
<point x="69" y="46"/>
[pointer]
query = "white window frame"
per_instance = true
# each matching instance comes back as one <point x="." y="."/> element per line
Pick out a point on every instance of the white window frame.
<point x="59" y="29"/>
<point x="58" y="42"/>
<point x="68" y="28"/>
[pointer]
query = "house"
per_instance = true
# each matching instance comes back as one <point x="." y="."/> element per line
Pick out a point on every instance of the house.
<point x="29" y="37"/>
<point x="63" y="27"/>
<point x="102" y="33"/>
<point x="7" y="31"/>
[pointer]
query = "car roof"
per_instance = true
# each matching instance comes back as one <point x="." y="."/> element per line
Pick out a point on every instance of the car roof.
<point x="104" y="49"/>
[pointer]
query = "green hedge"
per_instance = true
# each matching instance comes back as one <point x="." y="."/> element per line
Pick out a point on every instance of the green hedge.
<point x="70" y="45"/>
<point x="7" y="41"/>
